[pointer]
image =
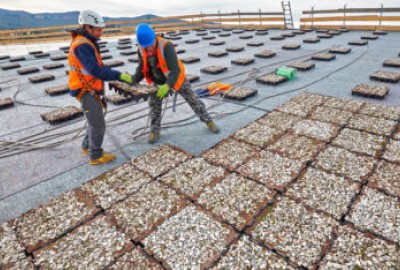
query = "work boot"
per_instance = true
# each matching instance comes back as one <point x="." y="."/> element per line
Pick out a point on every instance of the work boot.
<point x="212" y="127"/>
<point x="84" y="151"/>
<point x="153" y="137"/>
<point x="105" y="158"/>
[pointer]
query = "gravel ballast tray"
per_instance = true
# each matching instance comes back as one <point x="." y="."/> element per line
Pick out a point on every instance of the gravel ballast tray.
<point x="217" y="54"/>
<point x="370" y="91"/>
<point x="124" y="47"/>
<point x="277" y="38"/>
<point x="141" y="213"/>
<point x="214" y="70"/>
<point x="315" y="129"/>
<point x="240" y="93"/>
<point x="372" y="124"/>
<point x="272" y="170"/>
<point x="41" y="78"/>
<point x="192" y="78"/>
<point x="11" y="251"/>
<point x="160" y="160"/>
<point x="261" y="32"/>
<point x="94" y="245"/>
<point x="134" y="59"/>
<point x="10" y="66"/>
<point x="255" y="43"/>
<point x="57" y="90"/>
<point x="291" y="47"/>
<point x="386" y="177"/>
<point x="279" y="120"/>
<point x="217" y="43"/>
<point x="246" y="36"/>
<point x="243" y="61"/>
<point x="311" y="40"/>
<point x="324" y="191"/>
<point x="224" y="34"/>
<point x="17" y="58"/>
<point x="28" y="70"/>
<point x="325" y="36"/>
<point x="359" y="141"/>
<point x="265" y="54"/>
<point x="192" y="41"/>
<point x="236" y="199"/>
<point x="392" y="152"/>
<point x="294" y="231"/>
<point x="59" y="57"/>
<point x="4" y="57"/>
<point x="48" y="222"/>
<point x="337" y="160"/>
<point x="296" y="108"/>
<point x="369" y="37"/>
<point x="106" y="56"/>
<point x="271" y="79"/>
<point x="358" y="42"/>
<point x="53" y="66"/>
<point x="115" y="185"/>
<point x="190" y="59"/>
<point x="61" y="115"/>
<point x="258" y="134"/>
<point x="118" y="99"/>
<point x="340" y="50"/>
<point x="230" y="153"/>
<point x="392" y="63"/>
<point x="234" y="49"/>
<point x="193" y="176"/>
<point x="137" y="92"/>
<point x="112" y="64"/>
<point x="376" y="212"/>
<point x="385" y="76"/>
<point x="247" y="254"/>
<point x="127" y="52"/>
<point x="135" y="260"/>
<point x="331" y="115"/>
<point x="297" y="147"/>
<point x="323" y="56"/>
<point x="189" y="240"/>
<point x="356" y="250"/>
<point x="208" y="37"/>
<point x="41" y="55"/>
<point x="6" y="103"/>
<point x="380" y="33"/>
<point x="302" y="66"/>
<point x="344" y="104"/>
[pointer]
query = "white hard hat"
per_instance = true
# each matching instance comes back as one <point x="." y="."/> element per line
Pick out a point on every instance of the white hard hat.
<point x="91" y="17"/>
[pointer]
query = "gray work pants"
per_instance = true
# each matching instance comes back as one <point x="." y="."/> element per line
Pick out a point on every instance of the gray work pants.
<point x="96" y="126"/>
<point x="190" y="97"/>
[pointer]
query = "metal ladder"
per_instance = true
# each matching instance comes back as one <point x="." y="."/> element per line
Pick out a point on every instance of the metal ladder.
<point x="287" y="13"/>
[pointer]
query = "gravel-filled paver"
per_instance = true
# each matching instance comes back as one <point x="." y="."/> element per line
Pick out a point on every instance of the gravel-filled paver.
<point x="115" y="185"/>
<point x="341" y="161"/>
<point x="315" y="129"/>
<point x="246" y="254"/>
<point x="386" y="177"/>
<point x="377" y="212"/>
<point x="392" y="152"/>
<point x="189" y="240"/>
<point x="375" y="125"/>
<point x="11" y="250"/>
<point x="258" y="134"/>
<point x="50" y="221"/>
<point x="324" y="191"/>
<point x="135" y="260"/>
<point x="236" y="199"/>
<point x="94" y="245"/>
<point x="360" y="141"/>
<point x="355" y="250"/>
<point x="193" y="176"/>
<point x="272" y="170"/>
<point x="297" y="147"/>
<point x="294" y="231"/>
<point x="142" y="212"/>
<point x="230" y="153"/>
<point x="332" y="115"/>
<point x="161" y="159"/>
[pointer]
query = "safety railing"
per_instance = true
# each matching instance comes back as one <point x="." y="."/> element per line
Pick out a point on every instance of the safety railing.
<point x="257" y="20"/>
<point x="352" y="18"/>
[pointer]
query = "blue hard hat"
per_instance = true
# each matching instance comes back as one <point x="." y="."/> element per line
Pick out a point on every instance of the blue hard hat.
<point x="145" y="35"/>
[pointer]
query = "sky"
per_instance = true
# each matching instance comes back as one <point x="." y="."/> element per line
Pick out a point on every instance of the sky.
<point x="124" y="8"/>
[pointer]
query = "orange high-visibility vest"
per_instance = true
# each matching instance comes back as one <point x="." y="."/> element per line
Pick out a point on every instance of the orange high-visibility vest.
<point x="79" y="78"/>
<point x="161" y="42"/>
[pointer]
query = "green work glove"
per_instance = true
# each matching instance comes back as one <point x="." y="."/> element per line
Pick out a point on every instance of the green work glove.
<point x="126" y="78"/>
<point x="162" y="90"/>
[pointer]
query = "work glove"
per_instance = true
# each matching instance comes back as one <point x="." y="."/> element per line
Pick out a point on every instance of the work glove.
<point x="162" y="90"/>
<point x="126" y="78"/>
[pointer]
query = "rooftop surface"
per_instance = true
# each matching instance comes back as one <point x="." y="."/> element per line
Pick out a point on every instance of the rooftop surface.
<point x="297" y="187"/>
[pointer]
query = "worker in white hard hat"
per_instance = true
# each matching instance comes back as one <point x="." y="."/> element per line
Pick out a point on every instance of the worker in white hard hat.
<point x="86" y="82"/>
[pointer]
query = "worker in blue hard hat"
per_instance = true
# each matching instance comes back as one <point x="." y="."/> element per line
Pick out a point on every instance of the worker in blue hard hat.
<point x="160" y="66"/>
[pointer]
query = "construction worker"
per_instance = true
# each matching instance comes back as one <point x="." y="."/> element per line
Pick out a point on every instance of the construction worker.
<point x="160" y="66"/>
<point x="86" y="82"/>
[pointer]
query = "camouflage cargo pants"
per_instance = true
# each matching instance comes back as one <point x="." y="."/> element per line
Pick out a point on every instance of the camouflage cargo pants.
<point x="190" y="97"/>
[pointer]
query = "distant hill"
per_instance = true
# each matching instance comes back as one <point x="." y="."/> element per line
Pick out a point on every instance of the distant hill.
<point x="10" y="19"/>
